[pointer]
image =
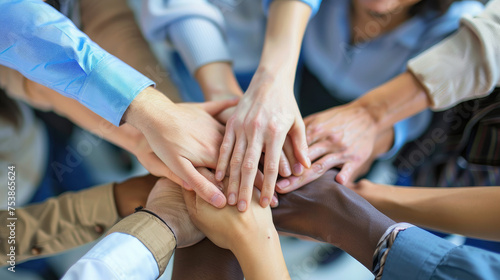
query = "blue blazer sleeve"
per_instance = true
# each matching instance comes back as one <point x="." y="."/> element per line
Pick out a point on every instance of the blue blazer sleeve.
<point x="49" y="49"/>
<point x="418" y="254"/>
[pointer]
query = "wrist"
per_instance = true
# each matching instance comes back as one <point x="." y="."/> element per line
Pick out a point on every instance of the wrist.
<point x="217" y="81"/>
<point x="145" y="109"/>
<point x="247" y="241"/>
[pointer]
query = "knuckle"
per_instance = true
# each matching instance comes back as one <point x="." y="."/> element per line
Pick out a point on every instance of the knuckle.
<point x="275" y="128"/>
<point x="236" y="161"/>
<point x="319" y="167"/>
<point x="271" y="167"/>
<point x="225" y="147"/>
<point x="248" y="166"/>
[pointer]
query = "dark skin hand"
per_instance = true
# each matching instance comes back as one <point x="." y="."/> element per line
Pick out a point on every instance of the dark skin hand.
<point x="132" y="193"/>
<point x="330" y="212"/>
<point x="323" y="210"/>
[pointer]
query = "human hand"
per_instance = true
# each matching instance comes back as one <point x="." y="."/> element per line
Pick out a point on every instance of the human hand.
<point x="344" y="135"/>
<point x="249" y="235"/>
<point x="264" y="117"/>
<point x="132" y="192"/>
<point x="183" y="136"/>
<point x="330" y="212"/>
<point x="227" y="227"/>
<point x="166" y="201"/>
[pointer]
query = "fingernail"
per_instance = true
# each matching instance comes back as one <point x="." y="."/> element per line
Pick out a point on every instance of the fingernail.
<point x="265" y="202"/>
<point x="286" y="170"/>
<point x="308" y="161"/>
<point x="218" y="176"/>
<point x="283" y="184"/>
<point x="242" y="206"/>
<point x="217" y="200"/>
<point x="232" y="199"/>
<point x="274" y="202"/>
<point x="297" y="169"/>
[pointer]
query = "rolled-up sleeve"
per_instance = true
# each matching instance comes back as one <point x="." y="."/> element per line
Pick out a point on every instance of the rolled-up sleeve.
<point x="195" y="28"/>
<point x="48" y="48"/>
<point x="464" y="66"/>
<point x="417" y="254"/>
<point x="314" y="4"/>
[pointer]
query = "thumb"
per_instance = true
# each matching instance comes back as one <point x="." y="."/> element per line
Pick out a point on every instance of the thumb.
<point x="215" y="107"/>
<point x="189" y="199"/>
<point x="300" y="148"/>
<point x="192" y="179"/>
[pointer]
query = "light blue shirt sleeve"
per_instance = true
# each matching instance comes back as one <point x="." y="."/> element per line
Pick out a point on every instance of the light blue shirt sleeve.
<point x="314" y="4"/>
<point x="418" y="254"/>
<point x="117" y="256"/>
<point x="49" y="49"/>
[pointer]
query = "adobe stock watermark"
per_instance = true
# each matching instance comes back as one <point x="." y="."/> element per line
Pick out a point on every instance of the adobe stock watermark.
<point x="425" y="147"/>
<point x="11" y="218"/>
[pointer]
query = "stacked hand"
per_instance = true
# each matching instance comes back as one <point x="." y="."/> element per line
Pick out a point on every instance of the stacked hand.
<point x="264" y="117"/>
<point x="185" y="138"/>
<point x="342" y="136"/>
<point x="167" y="202"/>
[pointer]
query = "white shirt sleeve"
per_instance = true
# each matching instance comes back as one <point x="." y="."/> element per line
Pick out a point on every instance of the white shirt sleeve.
<point x="195" y="28"/>
<point x="117" y="256"/>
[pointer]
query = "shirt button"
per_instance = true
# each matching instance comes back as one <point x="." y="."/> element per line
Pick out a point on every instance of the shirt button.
<point x="99" y="229"/>
<point x="36" y="251"/>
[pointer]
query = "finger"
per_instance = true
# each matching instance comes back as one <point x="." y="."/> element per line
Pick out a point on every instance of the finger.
<point x="226" y="150"/>
<point x="259" y="183"/>
<point x="347" y="172"/>
<point x="201" y="185"/>
<point x="284" y="169"/>
<point x="271" y="164"/>
<point x="295" y="166"/>
<point x="211" y="177"/>
<point x="317" y="169"/>
<point x="248" y="172"/>
<point x="320" y="149"/>
<point x="235" y="170"/>
<point x="298" y="137"/>
<point x="215" y="107"/>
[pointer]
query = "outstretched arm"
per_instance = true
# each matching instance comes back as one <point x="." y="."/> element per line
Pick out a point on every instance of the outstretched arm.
<point x="268" y="112"/>
<point x="470" y="211"/>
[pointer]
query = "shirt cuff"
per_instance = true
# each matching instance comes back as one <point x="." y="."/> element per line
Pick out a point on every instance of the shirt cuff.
<point x="415" y="254"/>
<point x="152" y="232"/>
<point x="117" y="256"/>
<point x="314" y="4"/>
<point x="110" y="88"/>
<point x="199" y="42"/>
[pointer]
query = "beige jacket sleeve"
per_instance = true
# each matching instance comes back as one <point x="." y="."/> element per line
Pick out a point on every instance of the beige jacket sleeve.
<point x="464" y="66"/>
<point x="152" y="232"/>
<point x="69" y="220"/>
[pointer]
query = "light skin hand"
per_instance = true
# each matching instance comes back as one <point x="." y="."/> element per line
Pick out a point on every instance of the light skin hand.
<point x="218" y="82"/>
<point x="363" y="121"/>
<point x="383" y="143"/>
<point x="268" y="112"/>
<point x="166" y="201"/>
<point x="249" y="235"/>
<point x="124" y="136"/>
<point x="183" y="136"/>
